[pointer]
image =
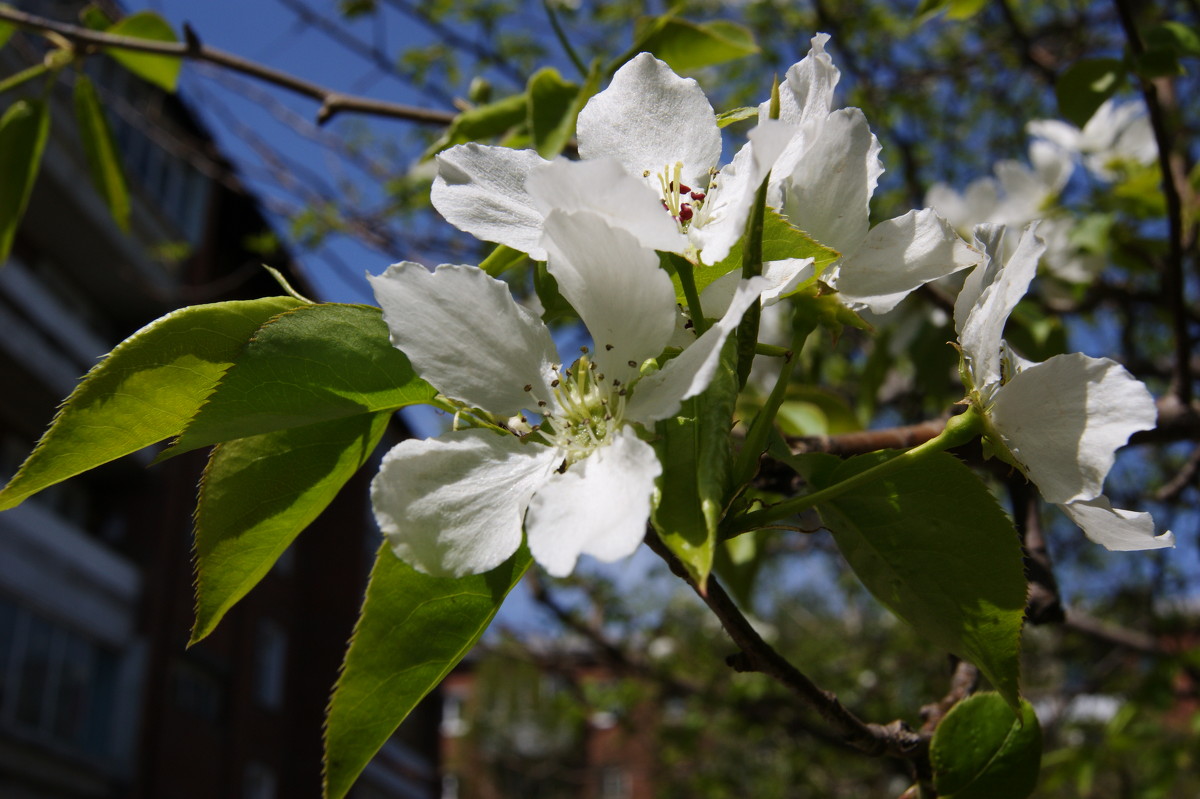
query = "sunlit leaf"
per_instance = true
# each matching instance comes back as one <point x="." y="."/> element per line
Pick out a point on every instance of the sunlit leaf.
<point x="483" y="122"/>
<point x="145" y="390"/>
<point x="259" y="493"/>
<point x="161" y="70"/>
<point x="104" y="163"/>
<point x="314" y="364"/>
<point x="551" y="102"/>
<point x="686" y="45"/>
<point x="980" y="751"/>
<point x="413" y="630"/>
<point x="23" y="130"/>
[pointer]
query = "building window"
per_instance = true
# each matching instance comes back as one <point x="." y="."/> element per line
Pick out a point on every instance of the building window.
<point x="55" y="685"/>
<point x="270" y="664"/>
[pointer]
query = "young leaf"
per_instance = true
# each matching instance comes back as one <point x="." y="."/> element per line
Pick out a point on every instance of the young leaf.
<point x="697" y="468"/>
<point x="502" y="259"/>
<point x="930" y="542"/>
<point x="145" y="390"/>
<point x="551" y="107"/>
<point x="313" y="364"/>
<point x="7" y="29"/>
<point x="259" y="493"/>
<point x="104" y="163"/>
<point x="687" y="46"/>
<point x="1085" y="85"/>
<point x="23" y="130"/>
<point x="412" y="631"/>
<point x="161" y="70"/>
<point x="979" y="751"/>
<point x="482" y="122"/>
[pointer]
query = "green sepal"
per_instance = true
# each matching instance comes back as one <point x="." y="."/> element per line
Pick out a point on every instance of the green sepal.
<point x="23" y="131"/>
<point x="104" y="163"/>
<point x="979" y="751"/>
<point x="146" y="390"/>
<point x="931" y="543"/>
<point x="161" y="70"/>
<point x="694" y="449"/>
<point x="412" y="631"/>
<point x="259" y="493"/>
<point x="312" y="364"/>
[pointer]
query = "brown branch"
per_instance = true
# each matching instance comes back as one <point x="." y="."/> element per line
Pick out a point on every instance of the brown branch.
<point x="962" y="684"/>
<point x="1159" y="95"/>
<point x="332" y="102"/>
<point x="1179" y="483"/>
<point x="894" y="739"/>
<point x="1113" y="634"/>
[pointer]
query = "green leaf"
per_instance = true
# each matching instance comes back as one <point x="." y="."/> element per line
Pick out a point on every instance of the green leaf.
<point x="7" y="29"/>
<point x="1157" y="62"/>
<point x="259" y="493"/>
<point x="697" y="470"/>
<point x="955" y="9"/>
<point x="979" y="751"/>
<point x="930" y="542"/>
<point x="413" y="630"/>
<point x="313" y="364"/>
<point x="161" y="70"/>
<point x="23" y="130"/>
<point x="736" y="115"/>
<point x="104" y="164"/>
<point x="144" y="391"/>
<point x="1085" y="85"/>
<point x="483" y="122"/>
<point x="781" y="240"/>
<point x="551" y="103"/>
<point x="502" y="259"/>
<point x="1183" y="39"/>
<point x="687" y="46"/>
<point x="95" y="18"/>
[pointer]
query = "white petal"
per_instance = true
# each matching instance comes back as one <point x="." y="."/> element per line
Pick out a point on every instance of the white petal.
<point x="481" y="190"/>
<point x="602" y="186"/>
<point x="808" y="92"/>
<point x="722" y="219"/>
<point x="626" y="301"/>
<point x="1056" y="132"/>
<point x="1116" y="529"/>
<point x="780" y="278"/>
<point x="1065" y="418"/>
<point x="900" y="254"/>
<point x="454" y="505"/>
<point x="597" y="507"/>
<point x="988" y="296"/>
<point x="466" y="335"/>
<point x="658" y="395"/>
<point x="649" y="118"/>
<point x="828" y="193"/>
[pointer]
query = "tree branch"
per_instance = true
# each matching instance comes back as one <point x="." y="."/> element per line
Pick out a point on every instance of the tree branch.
<point x="332" y="102"/>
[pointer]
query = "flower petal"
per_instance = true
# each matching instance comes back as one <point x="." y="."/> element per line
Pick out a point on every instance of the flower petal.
<point x="988" y="296"/>
<point x="1065" y="418"/>
<point x="1117" y="529"/>
<point x="828" y="192"/>
<point x="658" y="395"/>
<point x="603" y="187"/>
<point x="453" y="505"/>
<point x="808" y="92"/>
<point x="649" y="118"/>
<point x="481" y="190"/>
<point x="466" y="335"/>
<point x="626" y="301"/>
<point x="597" y="507"/>
<point x="781" y="277"/>
<point x="899" y="255"/>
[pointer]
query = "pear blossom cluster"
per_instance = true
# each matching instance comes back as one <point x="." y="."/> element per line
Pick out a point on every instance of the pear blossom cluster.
<point x="558" y="452"/>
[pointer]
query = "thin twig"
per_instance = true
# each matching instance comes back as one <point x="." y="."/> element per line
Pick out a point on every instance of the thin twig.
<point x="332" y="102"/>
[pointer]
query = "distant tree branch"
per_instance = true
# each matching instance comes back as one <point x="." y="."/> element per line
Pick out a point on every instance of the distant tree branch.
<point x="332" y="102"/>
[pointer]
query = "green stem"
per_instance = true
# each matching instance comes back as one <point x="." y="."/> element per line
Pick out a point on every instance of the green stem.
<point x="683" y="268"/>
<point x="958" y="431"/>
<point x="562" y="39"/>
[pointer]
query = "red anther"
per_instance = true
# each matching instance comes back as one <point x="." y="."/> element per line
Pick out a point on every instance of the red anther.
<point x="665" y="206"/>
<point x="685" y="212"/>
<point x="684" y="189"/>
<point x="698" y="196"/>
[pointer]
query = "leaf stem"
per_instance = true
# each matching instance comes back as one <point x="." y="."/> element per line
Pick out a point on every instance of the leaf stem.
<point x="562" y="38"/>
<point x="958" y="431"/>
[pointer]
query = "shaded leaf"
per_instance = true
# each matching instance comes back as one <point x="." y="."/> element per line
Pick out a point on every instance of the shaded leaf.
<point x="979" y="751"/>
<point x="686" y="45"/>
<point x="930" y="542"/>
<point x="1183" y="39"/>
<point x="104" y="164"/>
<point x="7" y="29"/>
<point x="259" y="493"/>
<point x="23" y="130"/>
<point x="412" y="631"/>
<point x="551" y="106"/>
<point x="145" y="390"/>
<point x="313" y="364"/>
<point x="161" y="70"/>
<point x="1085" y="85"/>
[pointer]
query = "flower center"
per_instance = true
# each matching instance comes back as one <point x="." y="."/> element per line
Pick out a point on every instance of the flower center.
<point x="589" y="409"/>
<point x="680" y="201"/>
